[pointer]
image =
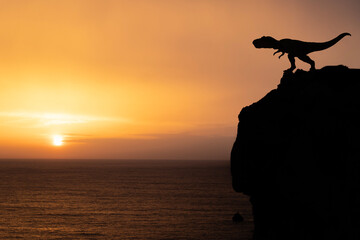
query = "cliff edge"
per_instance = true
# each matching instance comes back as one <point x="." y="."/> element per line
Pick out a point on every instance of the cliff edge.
<point x="297" y="155"/>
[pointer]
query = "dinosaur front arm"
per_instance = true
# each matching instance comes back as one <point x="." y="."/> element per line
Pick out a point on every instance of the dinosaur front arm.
<point x="282" y="53"/>
<point x="276" y="52"/>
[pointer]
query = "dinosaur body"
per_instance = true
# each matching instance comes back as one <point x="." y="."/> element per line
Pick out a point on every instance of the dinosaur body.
<point x="296" y="48"/>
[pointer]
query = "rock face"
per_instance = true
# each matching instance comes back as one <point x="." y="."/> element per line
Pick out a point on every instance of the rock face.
<point x="297" y="155"/>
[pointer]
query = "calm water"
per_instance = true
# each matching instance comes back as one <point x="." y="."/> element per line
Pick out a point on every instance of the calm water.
<point x="120" y="200"/>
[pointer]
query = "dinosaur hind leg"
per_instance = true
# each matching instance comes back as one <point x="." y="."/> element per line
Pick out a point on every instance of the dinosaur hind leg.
<point x="308" y="60"/>
<point x="292" y="61"/>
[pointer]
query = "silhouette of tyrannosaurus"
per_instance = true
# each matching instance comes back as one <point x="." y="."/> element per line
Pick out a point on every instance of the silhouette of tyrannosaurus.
<point x="296" y="48"/>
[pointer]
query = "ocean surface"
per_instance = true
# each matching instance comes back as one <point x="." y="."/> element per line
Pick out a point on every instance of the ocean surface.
<point x="124" y="199"/>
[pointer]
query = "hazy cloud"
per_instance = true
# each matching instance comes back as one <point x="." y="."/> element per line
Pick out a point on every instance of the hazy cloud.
<point x="47" y="119"/>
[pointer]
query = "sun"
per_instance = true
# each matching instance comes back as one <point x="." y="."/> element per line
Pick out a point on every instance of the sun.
<point x="57" y="140"/>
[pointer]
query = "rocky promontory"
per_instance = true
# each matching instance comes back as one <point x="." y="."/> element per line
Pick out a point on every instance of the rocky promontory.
<point x="297" y="155"/>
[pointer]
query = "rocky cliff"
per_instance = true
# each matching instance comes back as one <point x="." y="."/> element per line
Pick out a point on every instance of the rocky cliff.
<point x="297" y="155"/>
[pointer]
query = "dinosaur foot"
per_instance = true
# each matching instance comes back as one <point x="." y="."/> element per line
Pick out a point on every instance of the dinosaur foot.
<point x="286" y="78"/>
<point x="288" y="74"/>
<point x="288" y="71"/>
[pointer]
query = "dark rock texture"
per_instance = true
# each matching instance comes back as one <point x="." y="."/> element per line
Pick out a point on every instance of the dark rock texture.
<point x="297" y="155"/>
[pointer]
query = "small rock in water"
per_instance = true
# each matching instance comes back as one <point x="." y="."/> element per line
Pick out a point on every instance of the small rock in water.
<point x="237" y="217"/>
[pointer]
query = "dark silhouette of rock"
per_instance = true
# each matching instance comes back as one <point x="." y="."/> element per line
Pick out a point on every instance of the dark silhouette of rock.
<point x="237" y="217"/>
<point x="297" y="155"/>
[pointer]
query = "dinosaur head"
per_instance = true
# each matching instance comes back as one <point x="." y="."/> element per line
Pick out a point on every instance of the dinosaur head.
<point x="265" y="42"/>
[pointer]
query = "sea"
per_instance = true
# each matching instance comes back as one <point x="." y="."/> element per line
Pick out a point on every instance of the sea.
<point x="120" y="199"/>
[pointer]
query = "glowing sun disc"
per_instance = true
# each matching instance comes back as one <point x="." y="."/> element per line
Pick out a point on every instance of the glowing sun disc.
<point x="57" y="140"/>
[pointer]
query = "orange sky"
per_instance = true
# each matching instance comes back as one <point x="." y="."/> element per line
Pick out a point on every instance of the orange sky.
<point x="148" y="79"/>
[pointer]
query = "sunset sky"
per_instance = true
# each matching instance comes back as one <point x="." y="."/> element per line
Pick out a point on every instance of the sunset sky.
<point x="151" y="79"/>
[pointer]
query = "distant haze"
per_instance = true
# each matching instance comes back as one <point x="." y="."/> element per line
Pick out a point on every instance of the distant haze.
<point x="148" y="79"/>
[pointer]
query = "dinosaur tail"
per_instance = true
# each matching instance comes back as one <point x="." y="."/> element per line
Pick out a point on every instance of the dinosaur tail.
<point x="325" y="45"/>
